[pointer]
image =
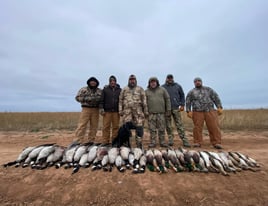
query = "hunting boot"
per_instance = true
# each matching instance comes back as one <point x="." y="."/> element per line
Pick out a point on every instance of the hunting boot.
<point x="170" y="141"/>
<point x="185" y="142"/>
<point x="162" y="140"/>
<point x="153" y="143"/>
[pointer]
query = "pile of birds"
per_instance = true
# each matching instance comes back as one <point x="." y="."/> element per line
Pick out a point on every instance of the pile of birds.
<point x="105" y="157"/>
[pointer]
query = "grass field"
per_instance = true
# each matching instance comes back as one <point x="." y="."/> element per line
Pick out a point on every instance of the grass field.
<point x="256" y="119"/>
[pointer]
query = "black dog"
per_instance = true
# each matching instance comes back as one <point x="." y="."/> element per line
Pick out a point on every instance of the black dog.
<point x="124" y="133"/>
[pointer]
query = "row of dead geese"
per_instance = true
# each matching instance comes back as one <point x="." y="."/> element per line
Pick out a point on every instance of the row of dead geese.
<point x="100" y="156"/>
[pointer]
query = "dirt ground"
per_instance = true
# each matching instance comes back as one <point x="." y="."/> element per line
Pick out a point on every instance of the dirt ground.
<point x="25" y="186"/>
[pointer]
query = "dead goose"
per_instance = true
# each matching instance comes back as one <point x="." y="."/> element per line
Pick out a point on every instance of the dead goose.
<point x="56" y="156"/>
<point x="119" y="163"/>
<point x="105" y="162"/>
<point x="69" y="154"/>
<point x="124" y="152"/>
<point x="137" y="154"/>
<point x="142" y="163"/>
<point x="40" y="162"/>
<point x="112" y="154"/>
<point x="131" y="158"/>
<point x="102" y="150"/>
<point x="21" y="158"/>
<point x="32" y="156"/>
<point x="80" y="151"/>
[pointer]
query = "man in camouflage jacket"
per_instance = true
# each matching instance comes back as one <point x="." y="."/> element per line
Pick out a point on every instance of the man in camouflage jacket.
<point x="133" y="107"/>
<point x="200" y="103"/>
<point x="89" y="98"/>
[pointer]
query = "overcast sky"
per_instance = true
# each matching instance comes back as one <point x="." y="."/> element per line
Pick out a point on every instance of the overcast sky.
<point x="49" y="48"/>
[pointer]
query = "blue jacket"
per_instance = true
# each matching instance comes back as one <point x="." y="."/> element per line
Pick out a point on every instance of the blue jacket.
<point x="177" y="97"/>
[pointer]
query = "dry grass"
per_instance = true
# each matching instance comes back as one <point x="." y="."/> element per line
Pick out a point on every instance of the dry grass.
<point x="231" y="120"/>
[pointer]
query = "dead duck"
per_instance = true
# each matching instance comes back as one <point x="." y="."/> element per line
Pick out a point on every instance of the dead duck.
<point x="208" y="164"/>
<point x="217" y="162"/>
<point x="150" y="160"/>
<point x="160" y="162"/>
<point x="174" y="161"/>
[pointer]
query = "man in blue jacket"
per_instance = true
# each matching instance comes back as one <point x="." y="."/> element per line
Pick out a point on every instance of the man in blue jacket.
<point x="177" y="99"/>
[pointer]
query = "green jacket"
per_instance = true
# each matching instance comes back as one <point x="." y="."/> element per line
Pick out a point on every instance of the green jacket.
<point x="158" y="100"/>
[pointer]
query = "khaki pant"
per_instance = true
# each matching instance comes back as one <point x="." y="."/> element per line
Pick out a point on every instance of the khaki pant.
<point x="88" y="116"/>
<point x="110" y="119"/>
<point x="212" y="123"/>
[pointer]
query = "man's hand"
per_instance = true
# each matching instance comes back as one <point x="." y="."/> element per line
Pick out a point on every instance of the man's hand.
<point x="181" y="108"/>
<point x="121" y="113"/>
<point x="190" y="115"/>
<point x="102" y="112"/>
<point x="168" y="113"/>
<point x="146" y="114"/>
<point x="219" y="111"/>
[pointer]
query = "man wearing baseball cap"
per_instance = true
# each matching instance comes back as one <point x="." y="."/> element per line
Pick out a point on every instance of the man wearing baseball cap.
<point x="200" y="103"/>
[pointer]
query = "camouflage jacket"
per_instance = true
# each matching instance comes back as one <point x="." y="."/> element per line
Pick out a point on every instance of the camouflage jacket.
<point x="133" y="98"/>
<point x="89" y="97"/>
<point x="202" y="100"/>
<point x="158" y="100"/>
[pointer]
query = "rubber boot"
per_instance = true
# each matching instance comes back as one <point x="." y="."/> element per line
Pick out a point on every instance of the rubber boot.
<point x="185" y="142"/>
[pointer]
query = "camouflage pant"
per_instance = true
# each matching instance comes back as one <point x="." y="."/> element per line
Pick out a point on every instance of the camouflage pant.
<point x="157" y="123"/>
<point x="175" y="113"/>
<point x="134" y="115"/>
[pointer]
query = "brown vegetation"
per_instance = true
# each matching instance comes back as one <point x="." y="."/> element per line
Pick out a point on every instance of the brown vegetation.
<point x="256" y="119"/>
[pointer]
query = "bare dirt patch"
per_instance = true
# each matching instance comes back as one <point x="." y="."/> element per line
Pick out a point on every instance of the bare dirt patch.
<point x="24" y="186"/>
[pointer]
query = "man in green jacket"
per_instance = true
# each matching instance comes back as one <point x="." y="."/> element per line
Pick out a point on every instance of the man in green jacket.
<point x="158" y="103"/>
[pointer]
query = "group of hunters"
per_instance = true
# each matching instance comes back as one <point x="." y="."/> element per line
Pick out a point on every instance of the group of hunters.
<point x="158" y="104"/>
